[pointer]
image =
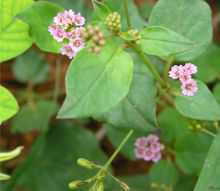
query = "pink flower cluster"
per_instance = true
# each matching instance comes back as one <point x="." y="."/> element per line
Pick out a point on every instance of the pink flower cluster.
<point x="184" y="73"/>
<point x="67" y="27"/>
<point x="148" y="148"/>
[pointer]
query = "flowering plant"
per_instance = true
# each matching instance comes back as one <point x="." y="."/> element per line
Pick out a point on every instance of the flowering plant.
<point x="144" y="83"/>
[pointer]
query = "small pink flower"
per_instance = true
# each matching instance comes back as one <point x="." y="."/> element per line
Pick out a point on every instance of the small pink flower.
<point x="139" y="153"/>
<point x="65" y="18"/>
<point x="152" y="138"/>
<point x="191" y="68"/>
<point x="174" y="72"/>
<point x="67" y="28"/>
<point x="69" y="17"/>
<point x="141" y="142"/>
<point x="75" y="33"/>
<point x="79" y="20"/>
<point x="68" y="50"/>
<point x="57" y="32"/>
<point x="148" y="148"/>
<point x="155" y="147"/>
<point x="59" y="19"/>
<point x="157" y="157"/>
<point x="78" y="43"/>
<point x="189" y="88"/>
<point x="148" y="154"/>
<point x="184" y="74"/>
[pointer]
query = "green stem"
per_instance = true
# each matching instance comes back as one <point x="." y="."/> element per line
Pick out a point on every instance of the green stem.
<point x="127" y="13"/>
<point x="163" y="92"/>
<point x="117" y="150"/>
<point x="93" y="4"/>
<point x="167" y="68"/>
<point x="150" y="66"/>
<point x="208" y="132"/>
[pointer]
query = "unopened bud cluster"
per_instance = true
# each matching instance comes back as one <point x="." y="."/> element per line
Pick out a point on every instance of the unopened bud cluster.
<point x="96" y="36"/>
<point x="113" y="22"/>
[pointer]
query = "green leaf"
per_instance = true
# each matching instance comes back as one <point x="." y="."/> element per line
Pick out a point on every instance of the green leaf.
<point x="97" y="83"/>
<point x="39" y="16"/>
<point x="138" y="109"/>
<point x="163" y="174"/>
<point x="14" y="37"/>
<point x="209" y="69"/>
<point x="191" y="150"/>
<point x="201" y="106"/>
<point x="30" y="67"/>
<point x="34" y="117"/>
<point x="173" y="125"/>
<point x="163" y="42"/>
<point x="137" y="182"/>
<point x="54" y="155"/>
<point x="77" y="6"/>
<point x="216" y="92"/>
<point x="116" y="134"/>
<point x="209" y="177"/>
<point x="185" y="183"/>
<point x="8" y="105"/>
<point x="191" y="19"/>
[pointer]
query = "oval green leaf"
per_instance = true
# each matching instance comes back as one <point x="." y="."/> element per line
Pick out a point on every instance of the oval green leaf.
<point x="138" y="109"/>
<point x="191" y="19"/>
<point x="96" y="83"/>
<point x="201" y="106"/>
<point x="163" y="42"/>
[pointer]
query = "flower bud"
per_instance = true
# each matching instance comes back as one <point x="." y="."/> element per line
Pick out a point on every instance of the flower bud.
<point x="86" y="163"/>
<point x="113" y="22"/>
<point x="76" y="184"/>
<point x="96" y="36"/>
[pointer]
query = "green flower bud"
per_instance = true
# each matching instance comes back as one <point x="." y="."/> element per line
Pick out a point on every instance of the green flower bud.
<point x="86" y="163"/>
<point x="113" y="22"/>
<point x="76" y="184"/>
